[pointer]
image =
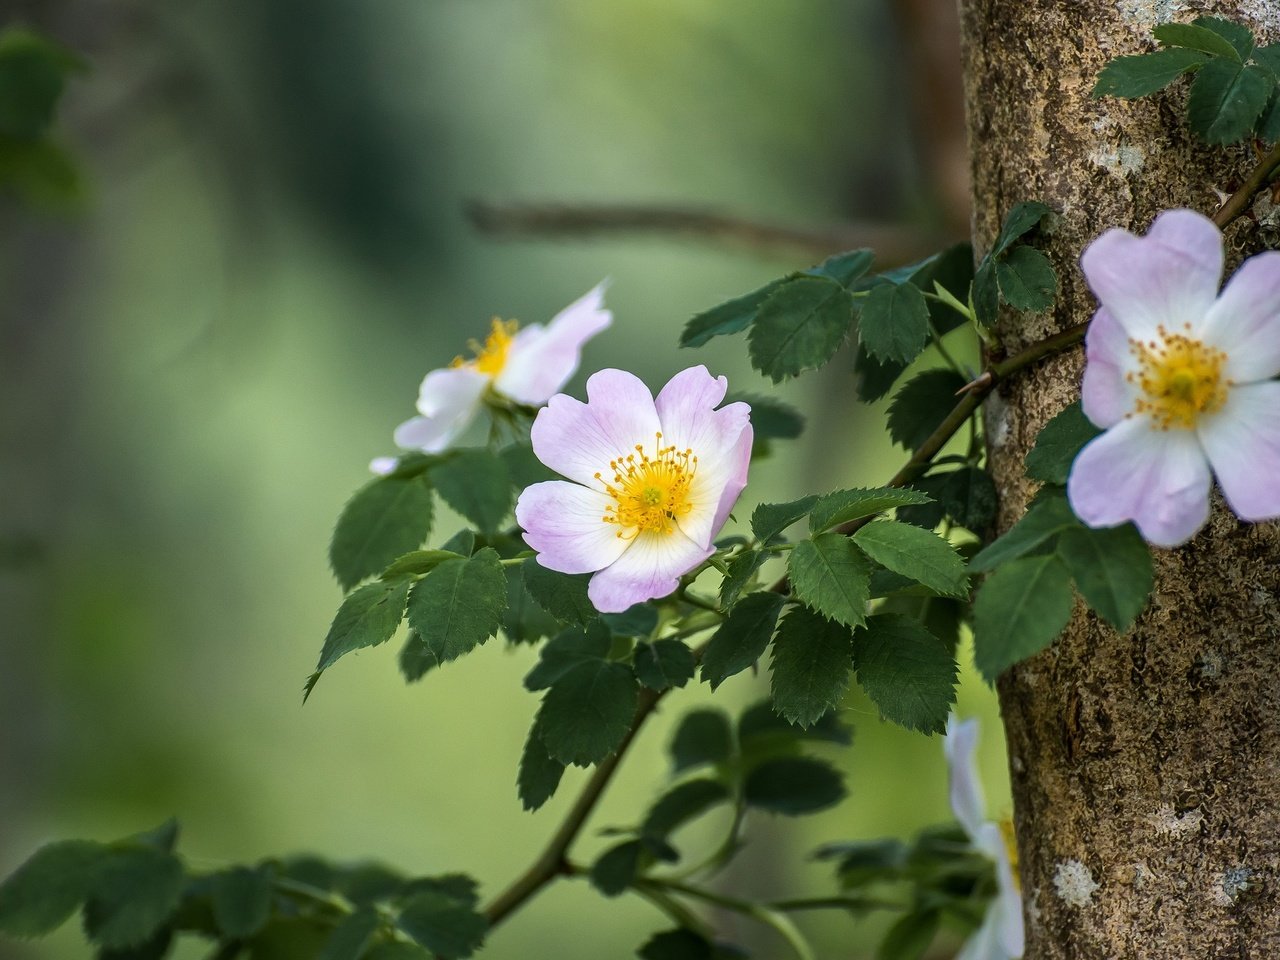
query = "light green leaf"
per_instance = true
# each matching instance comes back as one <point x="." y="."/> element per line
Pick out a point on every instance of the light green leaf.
<point x="42" y="893"/>
<point x="368" y="616"/>
<point x="704" y="736"/>
<point x="1018" y="611"/>
<point x="831" y="575"/>
<point x="417" y="563"/>
<point x="586" y="713"/>
<point x="1112" y="570"/>
<point x="770" y="519"/>
<point x="812" y="660"/>
<point x="916" y="553"/>
<point x="459" y="605"/>
<point x="800" y="327"/>
<point x="1026" y="279"/>
<point x="1144" y="74"/>
<point x="384" y="520"/>
<point x="793" y="786"/>
<point x="841" y="506"/>
<point x="894" y="322"/>
<point x="1226" y="99"/>
<point x="907" y="671"/>
<point x="477" y="484"/>
<point x="742" y="638"/>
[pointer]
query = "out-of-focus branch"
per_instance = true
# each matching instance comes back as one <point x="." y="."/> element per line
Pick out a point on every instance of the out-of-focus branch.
<point x="893" y="243"/>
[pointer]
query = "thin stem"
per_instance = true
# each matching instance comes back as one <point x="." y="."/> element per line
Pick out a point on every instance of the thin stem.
<point x="696" y="601"/>
<point x="840" y="903"/>
<point x="1239" y="202"/>
<point x="761" y="913"/>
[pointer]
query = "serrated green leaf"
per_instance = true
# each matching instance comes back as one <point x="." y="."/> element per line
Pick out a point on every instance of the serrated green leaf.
<point x="741" y="572"/>
<point x="679" y="944"/>
<point x="1058" y="443"/>
<point x="459" y="605"/>
<point x="1045" y="519"/>
<point x="916" y="553"/>
<point x="638" y="620"/>
<point x="1194" y="37"/>
<point x="523" y="466"/>
<point x="137" y="889"/>
<point x="684" y="802"/>
<point x="539" y="773"/>
<point x="614" y="869"/>
<point x="477" y="484"/>
<point x="793" y="786"/>
<point x="241" y="901"/>
<point x="1144" y="74"/>
<point x="416" y="658"/>
<point x="732" y="316"/>
<point x="865" y="861"/>
<point x="704" y="736"/>
<point x="909" y="937"/>
<point x="1018" y="611"/>
<point x="742" y="638"/>
<point x="42" y="893"/>
<point x="844" y="268"/>
<point x="894" y="322"/>
<point x="1026" y="279"/>
<point x="831" y="575"/>
<point x="384" y="520"/>
<point x="770" y="419"/>
<point x="565" y="651"/>
<point x="812" y="660"/>
<point x="986" y="294"/>
<point x="562" y="595"/>
<point x="463" y="543"/>
<point x="919" y="408"/>
<point x="1237" y="34"/>
<point x="800" y="327"/>
<point x="1226" y="99"/>
<point x="907" y="672"/>
<point x="1269" y="57"/>
<point x="952" y="269"/>
<point x="586" y="713"/>
<point x="841" y="506"/>
<point x="664" y="664"/>
<point x="967" y="495"/>
<point x="368" y="616"/>
<point x="369" y="882"/>
<point x="1018" y="222"/>
<point x="768" y="520"/>
<point x="1268" y="125"/>
<point x="760" y="728"/>
<point x="1112" y="570"/>
<point x="445" y="926"/>
<point x="525" y="621"/>
<point x="874" y="379"/>
<point x="351" y="936"/>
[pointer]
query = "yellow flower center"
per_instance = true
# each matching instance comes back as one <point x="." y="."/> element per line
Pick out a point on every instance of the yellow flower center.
<point x="1011" y="847"/>
<point x="491" y="356"/>
<point x="1180" y="379"/>
<point x="649" y="492"/>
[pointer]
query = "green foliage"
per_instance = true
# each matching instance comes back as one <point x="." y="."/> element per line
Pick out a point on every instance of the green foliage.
<point x="770" y="419"/>
<point x="1017" y="274"/>
<point x="761" y="730"/>
<point x="915" y="553"/>
<point x="682" y="803"/>
<point x="539" y="774"/>
<point x="1026" y="279"/>
<point x="446" y="925"/>
<point x="1227" y="98"/>
<point x="732" y="316"/>
<point x="477" y="484"/>
<point x="799" y="327"/>
<point x="1045" y="519"/>
<point x="683" y="944"/>
<point x="368" y="616"/>
<point x="812" y="660"/>
<point x="703" y="737"/>
<point x="831" y="575"/>
<point x="567" y="650"/>
<point x="614" y="869"/>
<point x="967" y="495"/>
<point x="910" y="936"/>
<point x="242" y="901"/>
<point x="1144" y="74"/>
<point x="639" y="620"/>
<point x="1058" y="444"/>
<point x="136" y="890"/>
<point x="741" y="572"/>
<point x="742" y="638"/>
<point x="664" y="664"/>
<point x="587" y="711"/>
<point x="907" y="671"/>
<point x="1018" y="611"/>
<point x="845" y="269"/>
<point x="386" y="518"/>
<point x="1193" y="36"/>
<point x="874" y="379"/>
<point x="919" y="408"/>
<point x="768" y="520"/>
<point x="351" y="936"/>
<point x="793" y="786"/>
<point x="841" y="506"/>
<point x="42" y="893"/>
<point x="1112" y="570"/>
<point x="894" y="322"/>
<point x="459" y="605"/>
<point x="562" y="595"/>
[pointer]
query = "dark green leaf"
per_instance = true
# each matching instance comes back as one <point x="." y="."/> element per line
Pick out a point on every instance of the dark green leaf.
<point x="1058" y="443"/>
<point x="679" y="944"/>
<point x="742" y="638"/>
<point x="702" y="737"/>
<point x="742" y="570"/>
<point x="770" y="519"/>
<point x="800" y="327"/>
<point x="369" y="882"/>
<point x="912" y="552"/>
<point x="416" y="658"/>
<point x="919" y="408"/>
<point x="770" y="419"/>
<point x="639" y="620"/>
<point x="351" y="936"/>
<point x="137" y="890"/>
<point x="952" y="269"/>
<point x="812" y="659"/>
<point x="894" y="322"/>
<point x="384" y="520"/>
<point x="844" y="268"/>
<point x="384" y="950"/>
<point x="831" y="575"/>
<point x="967" y="496"/>
<point x="33" y="70"/>
<point x="539" y="774"/>
<point x="1045" y="519"/>
<point x="1144" y="74"/>
<point x="368" y="616"/>
<point x="463" y="543"/>
<point x="908" y="672"/>
<point x="445" y="926"/>
<point x="909" y="937"/>
<point x="1193" y="37"/>
<point x="1268" y="125"/>
<point x="154" y="947"/>
<point x="732" y="316"/>
<point x="1269" y="57"/>
<point x="300" y="938"/>
<point x="562" y="595"/>
<point x="865" y="861"/>
<point x="760" y="726"/>
<point x="459" y="605"/>
<point x="523" y="466"/>
<point x="477" y="484"/>
<point x="565" y="651"/>
<point x="664" y="664"/>
<point x="1226" y="99"/>
<point x="793" y="786"/>
<point x="682" y="803"/>
<point x="163" y="837"/>
<point x="241" y="901"/>
<point x="1021" y="220"/>
<point x="986" y="294"/>
<point x="1112" y="570"/>
<point x="1026" y="279"/>
<point x="587" y="712"/>
<point x="1237" y="34"/>
<point x="42" y="893"/>
<point x="1018" y="611"/>
<point x="841" y="506"/>
<point x="614" y="869"/>
<point x="525" y="621"/>
<point x="874" y="379"/>
<point x="455" y="886"/>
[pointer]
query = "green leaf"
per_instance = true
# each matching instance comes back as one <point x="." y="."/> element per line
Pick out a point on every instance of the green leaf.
<point x="368" y="616"/>
<point x="33" y="71"/>
<point x="1200" y="38"/>
<point x="42" y="893"/>
<point x="1058" y="443"/>
<point x="1144" y="74"/>
<point x="967" y="496"/>
<point x="865" y="861"/>
<point x="586" y="713"/>
<point x="916" y="553"/>
<point x="679" y="944"/>
<point x="562" y="595"/>
<point x="351" y="936"/>
<point x="800" y="327"/>
<point x="1021" y="220"/>
<point x="1112" y="570"/>
<point x="894" y="322"/>
<point x="874" y="379"/>
<point x="793" y="786"/>
<point x="523" y="466"/>
<point x="919" y="408"/>
<point x="1018" y="611"/>
<point x="768" y="520"/>
<point x="831" y="575"/>
<point x="477" y="484"/>
<point x="1045" y="519"/>
<point x="732" y="316"/>
<point x="841" y="506"/>
<point x="812" y="659"/>
<point x="682" y="803"/>
<point x="614" y="869"/>
<point x="638" y="620"/>
<point x="704" y="736"/>
<point x="525" y="620"/>
<point x="539" y="774"/>
<point x="742" y="570"/>
<point x="664" y="664"/>
<point x="416" y="658"/>
<point x="1026" y="279"/>
<point x="986" y="293"/>
<point x="742" y="638"/>
<point x="1268" y="125"/>
<point x="459" y="605"/>
<point x="1237" y="34"/>
<point x="384" y="520"/>
<point x="463" y="543"/>
<point x="137" y="890"/>
<point x="907" y="671"/>
<point x="565" y="651"/>
<point x="417" y="563"/>
<point x="381" y="950"/>
<point x="760" y="729"/>
<point x="909" y="937"/>
<point x="241" y="901"/>
<point x="1226" y="99"/>
<point x="770" y="419"/>
<point x="844" y="268"/>
<point x="444" y="925"/>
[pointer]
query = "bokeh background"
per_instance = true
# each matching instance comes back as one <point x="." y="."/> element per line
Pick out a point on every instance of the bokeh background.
<point x="200" y="357"/>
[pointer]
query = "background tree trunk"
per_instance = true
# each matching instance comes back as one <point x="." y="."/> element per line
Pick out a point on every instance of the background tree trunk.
<point x="1146" y="767"/>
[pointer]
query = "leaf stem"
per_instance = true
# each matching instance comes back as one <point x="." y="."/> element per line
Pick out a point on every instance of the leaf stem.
<point x="1239" y="202"/>
<point x="762" y="913"/>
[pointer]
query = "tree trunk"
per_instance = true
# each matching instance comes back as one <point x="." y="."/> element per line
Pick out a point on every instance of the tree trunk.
<point x="1146" y="766"/>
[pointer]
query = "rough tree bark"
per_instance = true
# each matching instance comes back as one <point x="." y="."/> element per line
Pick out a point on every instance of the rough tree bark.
<point x="1145" y="767"/>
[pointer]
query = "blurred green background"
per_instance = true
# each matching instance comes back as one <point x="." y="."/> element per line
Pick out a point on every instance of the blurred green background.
<point x="201" y="357"/>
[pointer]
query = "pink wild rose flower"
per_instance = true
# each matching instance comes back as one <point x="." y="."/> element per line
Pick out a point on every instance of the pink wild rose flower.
<point x="650" y="482"/>
<point x="1180" y="378"/>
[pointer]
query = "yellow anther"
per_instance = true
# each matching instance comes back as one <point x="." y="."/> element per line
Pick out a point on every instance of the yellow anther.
<point x="1180" y="378"/>
<point x="650" y="493"/>
<point x="491" y="356"/>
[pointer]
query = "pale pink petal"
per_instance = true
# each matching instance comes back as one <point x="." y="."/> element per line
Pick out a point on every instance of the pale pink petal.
<point x="1242" y="442"/>
<point x="579" y="439"/>
<point x="1159" y="479"/>
<point x="737" y="460"/>
<point x="1106" y="395"/>
<point x="1169" y="277"/>
<point x="1245" y="322"/>
<point x="1007" y="908"/>
<point x="383" y="465"/>
<point x="967" y="803"/>
<point x="564" y="523"/>
<point x="541" y="360"/>
<point x="650" y="567"/>
<point x="448" y="401"/>
<point x="984" y="943"/>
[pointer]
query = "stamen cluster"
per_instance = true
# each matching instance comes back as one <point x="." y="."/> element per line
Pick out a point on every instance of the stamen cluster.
<point x="491" y="356"/>
<point x="650" y="492"/>
<point x="1180" y="378"/>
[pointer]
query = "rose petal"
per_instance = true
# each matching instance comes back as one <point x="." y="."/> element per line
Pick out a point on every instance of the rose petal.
<point x="1169" y="277"/>
<point x="650" y="567"/>
<point x="736" y="462"/>
<point x="541" y="360"/>
<point x="984" y="943"/>
<point x="967" y="802"/>
<point x="448" y="401"/>
<point x="1245" y="320"/>
<point x="384" y="465"/>
<point x="564" y="523"/>
<point x="1006" y="911"/>
<point x="1106" y="395"/>
<point x="1159" y="479"/>
<point x="1242" y="442"/>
